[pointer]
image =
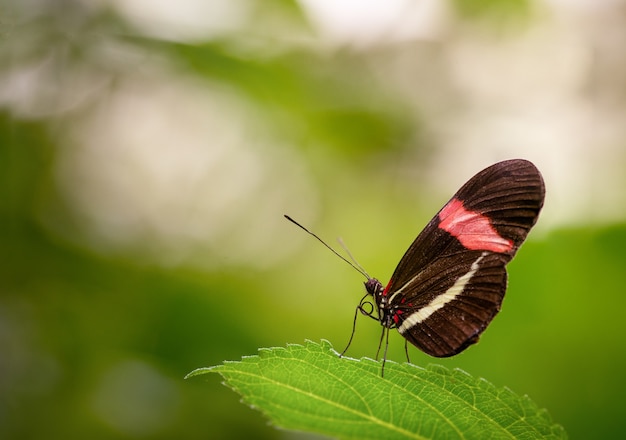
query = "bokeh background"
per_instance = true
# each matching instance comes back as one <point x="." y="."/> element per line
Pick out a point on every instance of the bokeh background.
<point x="149" y="149"/>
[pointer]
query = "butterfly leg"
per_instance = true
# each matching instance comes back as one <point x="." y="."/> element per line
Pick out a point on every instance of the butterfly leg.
<point x="385" y="336"/>
<point x="358" y="309"/>
<point x="406" y="350"/>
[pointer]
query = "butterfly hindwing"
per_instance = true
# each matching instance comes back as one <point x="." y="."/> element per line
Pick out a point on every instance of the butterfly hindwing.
<point x="444" y="312"/>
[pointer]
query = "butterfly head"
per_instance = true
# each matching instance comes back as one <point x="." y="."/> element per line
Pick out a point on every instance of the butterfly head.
<point x="374" y="288"/>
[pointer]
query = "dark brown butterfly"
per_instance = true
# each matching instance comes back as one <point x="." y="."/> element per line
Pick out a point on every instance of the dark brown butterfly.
<point x="451" y="281"/>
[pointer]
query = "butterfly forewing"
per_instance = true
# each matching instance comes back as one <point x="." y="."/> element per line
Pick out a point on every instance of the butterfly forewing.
<point x="451" y="281"/>
<point x="510" y="194"/>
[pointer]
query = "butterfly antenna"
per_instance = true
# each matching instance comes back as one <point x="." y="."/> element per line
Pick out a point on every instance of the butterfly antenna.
<point x="356" y="263"/>
<point x="356" y="266"/>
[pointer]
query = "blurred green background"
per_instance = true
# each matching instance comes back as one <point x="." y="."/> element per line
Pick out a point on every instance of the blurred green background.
<point x="148" y="151"/>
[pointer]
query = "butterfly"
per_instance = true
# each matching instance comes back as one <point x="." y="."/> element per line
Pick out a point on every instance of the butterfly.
<point x="451" y="281"/>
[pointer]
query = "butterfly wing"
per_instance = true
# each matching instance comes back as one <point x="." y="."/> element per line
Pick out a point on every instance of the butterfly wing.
<point x="451" y="281"/>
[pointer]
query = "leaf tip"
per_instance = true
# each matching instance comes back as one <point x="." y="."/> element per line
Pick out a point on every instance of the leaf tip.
<point x="200" y="371"/>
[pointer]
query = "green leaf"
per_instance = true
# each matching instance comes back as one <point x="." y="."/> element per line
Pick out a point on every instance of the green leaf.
<point x="309" y="388"/>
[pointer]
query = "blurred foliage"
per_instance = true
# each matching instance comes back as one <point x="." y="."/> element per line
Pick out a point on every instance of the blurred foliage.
<point x="95" y="344"/>
<point x="494" y="10"/>
<point x="305" y="96"/>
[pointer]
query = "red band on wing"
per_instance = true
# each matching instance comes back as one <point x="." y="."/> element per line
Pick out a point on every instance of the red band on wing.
<point x="387" y="287"/>
<point x="472" y="229"/>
